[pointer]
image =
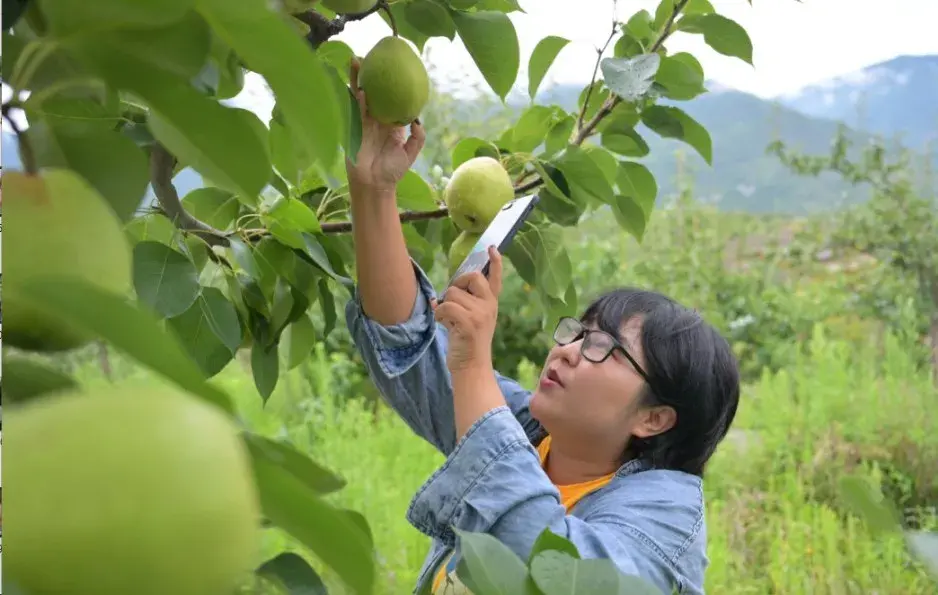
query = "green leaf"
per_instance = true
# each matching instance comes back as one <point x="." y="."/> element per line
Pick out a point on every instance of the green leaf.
<point x="338" y="55"/>
<point x="294" y="215"/>
<point x="724" y="35"/>
<point x="472" y="147"/>
<point x="415" y="194"/>
<point x="532" y="128"/>
<point x="543" y="56"/>
<point x="181" y="48"/>
<point x="637" y="181"/>
<point x="222" y="75"/>
<point x="154" y="227"/>
<point x="551" y="261"/>
<point x="506" y="6"/>
<point x="299" y="465"/>
<point x="430" y="18"/>
<point x="558" y="573"/>
<point x="219" y="142"/>
<point x="130" y="329"/>
<point x="558" y="136"/>
<point x="673" y="122"/>
<point x="606" y="161"/>
<point x="291" y="571"/>
<point x="265" y="366"/>
<point x="241" y="170"/>
<point x="584" y="175"/>
<point x="560" y="210"/>
<point x="327" y="532"/>
<point x="681" y="75"/>
<point x="640" y="26"/>
<point x="64" y="17"/>
<point x="210" y="330"/>
<point x="630" y="216"/>
<point x="27" y="378"/>
<point x="627" y="47"/>
<point x="488" y="566"/>
<point x="624" y="141"/>
<point x="492" y="41"/>
<point x="666" y="8"/>
<point x="298" y="340"/>
<point x="869" y="504"/>
<point x="630" y="78"/>
<point x="270" y="48"/>
<point x="244" y="257"/>
<point x="550" y="541"/>
<point x="165" y="280"/>
<point x="214" y="206"/>
<point x="316" y="255"/>
<point x="76" y="110"/>
<point x="110" y="162"/>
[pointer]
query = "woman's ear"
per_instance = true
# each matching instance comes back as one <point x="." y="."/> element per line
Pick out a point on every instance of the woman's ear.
<point x="654" y="420"/>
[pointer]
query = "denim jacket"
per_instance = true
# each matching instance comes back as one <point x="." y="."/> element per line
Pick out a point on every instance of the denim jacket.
<point x="649" y="522"/>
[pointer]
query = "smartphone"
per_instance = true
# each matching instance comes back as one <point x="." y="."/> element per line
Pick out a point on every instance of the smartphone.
<point x="499" y="233"/>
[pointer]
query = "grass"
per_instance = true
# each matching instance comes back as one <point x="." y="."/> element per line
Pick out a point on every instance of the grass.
<point x="775" y="521"/>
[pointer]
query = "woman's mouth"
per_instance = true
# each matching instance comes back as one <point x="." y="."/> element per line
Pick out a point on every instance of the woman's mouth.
<point x="551" y="379"/>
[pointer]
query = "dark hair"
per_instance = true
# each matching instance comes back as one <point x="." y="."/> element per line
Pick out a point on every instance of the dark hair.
<point x="690" y="367"/>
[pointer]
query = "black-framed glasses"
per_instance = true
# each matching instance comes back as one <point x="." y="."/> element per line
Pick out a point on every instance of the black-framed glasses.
<point x="597" y="345"/>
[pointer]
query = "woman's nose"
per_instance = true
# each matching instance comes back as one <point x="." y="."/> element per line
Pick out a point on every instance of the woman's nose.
<point x="571" y="352"/>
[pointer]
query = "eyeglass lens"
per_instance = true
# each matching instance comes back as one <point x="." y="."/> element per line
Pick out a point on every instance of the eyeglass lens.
<point x="596" y="344"/>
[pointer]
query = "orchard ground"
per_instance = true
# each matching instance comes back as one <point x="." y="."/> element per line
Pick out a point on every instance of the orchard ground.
<point x="830" y="390"/>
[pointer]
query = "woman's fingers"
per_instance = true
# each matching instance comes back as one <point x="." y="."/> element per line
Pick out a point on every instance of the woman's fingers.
<point x="354" y="67"/>
<point x="414" y="144"/>
<point x="495" y="271"/>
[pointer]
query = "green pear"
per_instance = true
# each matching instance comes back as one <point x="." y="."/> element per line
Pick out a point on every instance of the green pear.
<point x="477" y="190"/>
<point x="129" y="489"/>
<point x="395" y="82"/>
<point x="460" y="249"/>
<point x="62" y="228"/>
<point x="349" y="6"/>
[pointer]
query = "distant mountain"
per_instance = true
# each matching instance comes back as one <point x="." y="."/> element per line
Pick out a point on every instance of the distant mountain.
<point x="896" y="97"/>
<point x="742" y="177"/>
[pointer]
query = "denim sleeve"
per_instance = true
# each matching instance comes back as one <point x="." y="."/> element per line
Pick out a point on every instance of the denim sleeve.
<point x="493" y="483"/>
<point x="407" y="363"/>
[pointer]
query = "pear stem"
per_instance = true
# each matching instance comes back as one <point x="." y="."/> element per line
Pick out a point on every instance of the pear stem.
<point x="383" y="5"/>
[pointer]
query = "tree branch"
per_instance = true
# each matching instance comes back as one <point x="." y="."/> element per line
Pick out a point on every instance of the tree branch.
<point x="406" y="217"/>
<point x="615" y="100"/>
<point x="599" y="57"/>
<point x="161" y="175"/>
<point x="321" y="28"/>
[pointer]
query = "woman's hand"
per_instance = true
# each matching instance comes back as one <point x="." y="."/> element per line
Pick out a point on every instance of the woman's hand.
<point x="469" y="313"/>
<point x="386" y="153"/>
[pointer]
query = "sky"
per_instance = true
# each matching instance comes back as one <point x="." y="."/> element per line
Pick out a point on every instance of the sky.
<point x="795" y="43"/>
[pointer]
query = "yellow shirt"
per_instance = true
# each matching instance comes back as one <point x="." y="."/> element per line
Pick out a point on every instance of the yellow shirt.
<point x="569" y="496"/>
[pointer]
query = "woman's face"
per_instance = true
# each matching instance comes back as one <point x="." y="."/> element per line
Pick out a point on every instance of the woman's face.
<point x="596" y="402"/>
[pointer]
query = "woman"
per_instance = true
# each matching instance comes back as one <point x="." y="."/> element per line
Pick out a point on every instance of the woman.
<point x="608" y="451"/>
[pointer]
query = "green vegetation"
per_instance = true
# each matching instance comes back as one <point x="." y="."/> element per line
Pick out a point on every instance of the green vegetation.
<point x="829" y="394"/>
